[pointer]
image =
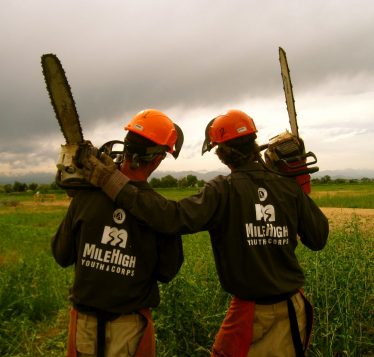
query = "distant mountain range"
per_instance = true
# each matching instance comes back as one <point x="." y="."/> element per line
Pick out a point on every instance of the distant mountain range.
<point x="334" y="174"/>
<point x="47" y="178"/>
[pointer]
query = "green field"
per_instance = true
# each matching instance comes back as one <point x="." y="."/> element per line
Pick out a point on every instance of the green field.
<point x="344" y="195"/>
<point x="34" y="289"/>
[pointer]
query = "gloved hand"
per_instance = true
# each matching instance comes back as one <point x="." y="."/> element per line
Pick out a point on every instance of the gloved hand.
<point x="98" y="171"/>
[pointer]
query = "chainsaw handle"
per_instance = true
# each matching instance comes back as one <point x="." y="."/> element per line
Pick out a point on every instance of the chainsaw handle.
<point x="117" y="155"/>
<point x="263" y="147"/>
<point x="300" y="159"/>
<point x="310" y="170"/>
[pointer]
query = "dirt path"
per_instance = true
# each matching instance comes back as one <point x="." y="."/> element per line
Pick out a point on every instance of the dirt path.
<point x="339" y="217"/>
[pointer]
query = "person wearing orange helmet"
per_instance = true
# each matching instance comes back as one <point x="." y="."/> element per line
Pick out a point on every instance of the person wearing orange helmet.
<point x="118" y="259"/>
<point x="253" y="217"/>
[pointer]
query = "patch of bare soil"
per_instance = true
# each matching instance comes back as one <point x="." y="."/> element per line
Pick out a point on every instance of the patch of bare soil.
<point x="63" y="203"/>
<point x="340" y="217"/>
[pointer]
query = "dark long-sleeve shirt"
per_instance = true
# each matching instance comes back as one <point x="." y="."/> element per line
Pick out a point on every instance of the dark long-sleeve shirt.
<point x="253" y="217"/>
<point x="118" y="259"/>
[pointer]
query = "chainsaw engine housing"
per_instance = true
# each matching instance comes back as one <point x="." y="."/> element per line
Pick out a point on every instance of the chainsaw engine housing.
<point x="286" y="153"/>
<point x="69" y="165"/>
<point x="69" y="168"/>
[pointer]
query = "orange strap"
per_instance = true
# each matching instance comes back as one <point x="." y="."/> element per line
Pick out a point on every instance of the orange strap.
<point x="72" y="352"/>
<point x="236" y="332"/>
<point x="147" y="345"/>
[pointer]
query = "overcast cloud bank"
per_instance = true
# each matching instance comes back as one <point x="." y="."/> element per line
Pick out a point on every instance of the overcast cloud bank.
<point x="192" y="60"/>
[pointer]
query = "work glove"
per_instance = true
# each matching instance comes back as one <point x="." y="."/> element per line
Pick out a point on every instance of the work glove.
<point x="98" y="171"/>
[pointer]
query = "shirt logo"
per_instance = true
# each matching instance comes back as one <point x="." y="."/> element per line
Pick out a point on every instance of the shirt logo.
<point x="114" y="236"/>
<point x="119" y="216"/>
<point x="262" y="194"/>
<point x="266" y="213"/>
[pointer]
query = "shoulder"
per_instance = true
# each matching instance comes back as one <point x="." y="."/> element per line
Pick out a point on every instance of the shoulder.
<point x="91" y="197"/>
<point x="219" y="180"/>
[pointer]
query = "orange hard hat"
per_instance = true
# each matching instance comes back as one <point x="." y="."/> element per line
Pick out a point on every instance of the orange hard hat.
<point x="227" y="126"/>
<point x="159" y="128"/>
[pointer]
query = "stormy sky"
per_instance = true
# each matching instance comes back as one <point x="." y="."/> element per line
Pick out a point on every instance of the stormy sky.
<point x="191" y="59"/>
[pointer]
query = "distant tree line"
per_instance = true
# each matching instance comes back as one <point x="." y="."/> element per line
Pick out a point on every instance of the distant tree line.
<point x="170" y="181"/>
<point x="33" y="187"/>
<point x="328" y="180"/>
<point x="164" y="182"/>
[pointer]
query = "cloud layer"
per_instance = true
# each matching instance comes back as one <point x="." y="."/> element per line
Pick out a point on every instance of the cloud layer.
<point x="193" y="60"/>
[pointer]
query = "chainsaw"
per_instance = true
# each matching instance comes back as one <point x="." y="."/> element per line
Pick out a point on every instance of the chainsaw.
<point x="69" y="165"/>
<point x="285" y="153"/>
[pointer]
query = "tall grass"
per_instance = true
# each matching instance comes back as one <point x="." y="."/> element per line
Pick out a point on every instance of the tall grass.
<point x="193" y="305"/>
<point x="32" y="287"/>
<point x="346" y="195"/>
<point x="340" y="284"/>
<point x="34" y="306"/>
<point x="348" y="200"/>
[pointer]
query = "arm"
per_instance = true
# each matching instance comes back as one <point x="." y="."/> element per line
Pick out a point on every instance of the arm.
<point x="313" y="224"/>
<point x="63" y="244"/>
<point x="189" y="215"/>
<point x="170" y="254"/>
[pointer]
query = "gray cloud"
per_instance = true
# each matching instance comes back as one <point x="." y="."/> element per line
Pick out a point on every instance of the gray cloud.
<point x="123" y="56"/>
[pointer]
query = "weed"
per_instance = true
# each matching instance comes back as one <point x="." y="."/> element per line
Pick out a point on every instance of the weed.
<point x="9" y="203"/>
<point x="339" y="282"/>
<point x="33" y="292"/>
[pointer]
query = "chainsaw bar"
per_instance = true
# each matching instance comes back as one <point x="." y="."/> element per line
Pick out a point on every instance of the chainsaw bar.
<point x="288" y="92"/>
<point x="62" y="99"/>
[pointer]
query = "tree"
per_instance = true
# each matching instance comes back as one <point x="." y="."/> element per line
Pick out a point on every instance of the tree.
<point x="155" y="182"/>
<point x="33" y="186"/>
<point x="326" y="179"/>
<point x="43" y="188"/>
<point x="191" y="180"/>
<point x="54" y="187"/>
<point x="182" y="182"/>
<point x="8" y="188"/>
<point x="200" y="183"/>
<point x="169" y="181"/>
<point x="19" y="187"/>
<point x="340" y="180"/>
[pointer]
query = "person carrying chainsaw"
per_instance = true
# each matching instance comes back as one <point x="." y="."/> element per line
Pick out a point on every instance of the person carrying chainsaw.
<point x="253" y="216"/>
<point x="119" y="259"/>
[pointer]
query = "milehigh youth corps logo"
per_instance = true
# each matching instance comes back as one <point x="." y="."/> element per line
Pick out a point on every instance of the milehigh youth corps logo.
<point x="112" y="257"/>
<point x="265" y="231"/>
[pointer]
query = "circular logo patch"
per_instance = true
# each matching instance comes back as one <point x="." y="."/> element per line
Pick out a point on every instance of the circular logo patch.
<point x="262" y="194"/>
<point x="119" y="216"/>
